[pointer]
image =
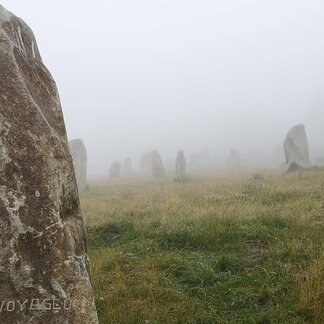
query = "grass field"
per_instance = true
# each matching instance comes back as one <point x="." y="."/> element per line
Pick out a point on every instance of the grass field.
<point x="220" y="248"/>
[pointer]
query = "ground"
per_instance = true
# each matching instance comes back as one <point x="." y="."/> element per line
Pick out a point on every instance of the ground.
<point x="245" y="247"/>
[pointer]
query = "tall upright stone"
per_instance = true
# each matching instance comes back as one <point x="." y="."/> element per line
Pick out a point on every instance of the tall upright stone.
<point x="44" y="268"/>
<point x="128" y="170"/>
<point x="180" y="167"/>
<point x="115" y="170"/>
<point x="79" y="156"/>
<point x="152" y="164"/>
<point x="296" y="150"/>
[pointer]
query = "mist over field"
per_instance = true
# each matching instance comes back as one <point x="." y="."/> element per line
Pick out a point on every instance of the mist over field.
<point x="191" y="187"/>
<point x="134" y="76"/>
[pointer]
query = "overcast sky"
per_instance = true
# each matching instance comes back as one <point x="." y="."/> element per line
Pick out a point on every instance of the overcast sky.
<point x="167" y="74"/>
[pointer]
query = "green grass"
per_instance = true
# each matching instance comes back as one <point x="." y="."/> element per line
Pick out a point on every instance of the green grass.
<point x="220" y="248"/>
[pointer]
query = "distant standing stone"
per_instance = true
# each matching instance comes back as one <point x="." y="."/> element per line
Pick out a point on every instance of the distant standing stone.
<point x="180" y="167"/>
<point x="44" y="267"/>
<point x="79" y="156"/>
<point x="152" y="164"/>
<point x="114" y="170"/>
<point x="296" y="150"/>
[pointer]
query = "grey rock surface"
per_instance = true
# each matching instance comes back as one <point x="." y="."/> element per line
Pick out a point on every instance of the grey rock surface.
<point x="296" y="150"/>
<point x="43" y="248"/>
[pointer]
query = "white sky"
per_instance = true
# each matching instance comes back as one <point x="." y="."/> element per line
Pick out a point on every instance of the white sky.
<point x="160" y="74"/>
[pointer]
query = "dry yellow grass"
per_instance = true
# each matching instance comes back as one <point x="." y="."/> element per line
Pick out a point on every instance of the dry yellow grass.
<point x="311" y="290"/>
<point x="222" y="247"/>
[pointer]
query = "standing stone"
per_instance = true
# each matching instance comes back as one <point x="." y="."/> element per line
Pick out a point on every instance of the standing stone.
<point x="180" y="167"/>
<point x="79" y="157"/>
<point x="43" y="260"/>
<point x="128" y="168"/>
<point x="114" y="170"/>
<point x="296" y="150"/>
<point x="234" y="160"/>
<point x="152" y="164"/>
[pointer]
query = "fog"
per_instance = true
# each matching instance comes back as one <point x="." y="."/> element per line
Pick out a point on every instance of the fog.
<point x="134" y="76"/>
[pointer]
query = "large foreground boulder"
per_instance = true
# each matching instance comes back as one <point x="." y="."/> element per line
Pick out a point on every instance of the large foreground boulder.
<point x="296" y="150"/>
<point x="79" y="156"/>
<point x="180" y="167"/>
<point x="152" y="164"/>
<point x="44" y="268"/>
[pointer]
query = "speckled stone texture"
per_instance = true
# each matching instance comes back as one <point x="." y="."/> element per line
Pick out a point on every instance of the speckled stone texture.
<point x="44" y="269"/>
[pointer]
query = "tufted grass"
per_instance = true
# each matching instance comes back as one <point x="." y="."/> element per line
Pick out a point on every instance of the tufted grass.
<point x="221" y="248"/>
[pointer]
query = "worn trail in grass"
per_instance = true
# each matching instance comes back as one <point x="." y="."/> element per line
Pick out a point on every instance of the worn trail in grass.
<point x="220" y="248"/>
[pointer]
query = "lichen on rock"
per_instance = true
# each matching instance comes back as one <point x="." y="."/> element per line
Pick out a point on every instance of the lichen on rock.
<point x="43" y="250"/>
